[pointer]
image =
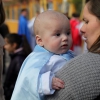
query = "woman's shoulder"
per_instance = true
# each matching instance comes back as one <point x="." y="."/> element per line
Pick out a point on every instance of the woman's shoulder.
<point x="86" y="61"/>
<point x="85" y="57"/>
<point x="80" y="74"/>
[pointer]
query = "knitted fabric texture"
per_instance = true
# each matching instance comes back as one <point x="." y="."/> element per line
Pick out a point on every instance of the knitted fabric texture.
<point x="82" y="79"/>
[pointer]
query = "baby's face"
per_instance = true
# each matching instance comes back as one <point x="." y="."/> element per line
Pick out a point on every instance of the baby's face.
<point x="57" y="36"/>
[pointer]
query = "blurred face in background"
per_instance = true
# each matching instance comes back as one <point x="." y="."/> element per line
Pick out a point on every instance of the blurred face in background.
<point x="25" y="13"/>
<point x="10" y="47"/>
<point x="91" y="27"/>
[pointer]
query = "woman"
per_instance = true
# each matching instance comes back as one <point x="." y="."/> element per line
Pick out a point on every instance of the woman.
<point x="2" y="18"/>
<point x="82" y="74"/>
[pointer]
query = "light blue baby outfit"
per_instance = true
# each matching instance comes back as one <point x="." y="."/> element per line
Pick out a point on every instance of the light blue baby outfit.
<point x="30" y="84"/>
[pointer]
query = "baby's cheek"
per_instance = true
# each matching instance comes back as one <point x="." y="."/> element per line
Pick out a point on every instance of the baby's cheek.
<point x="53" y="48"/>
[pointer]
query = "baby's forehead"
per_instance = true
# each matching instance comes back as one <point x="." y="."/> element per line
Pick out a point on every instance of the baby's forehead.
<point x="47" y="15"/>
<point x="48" y="19"/>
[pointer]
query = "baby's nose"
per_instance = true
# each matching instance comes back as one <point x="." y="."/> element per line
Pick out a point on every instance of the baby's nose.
<point x="65" y="37"/>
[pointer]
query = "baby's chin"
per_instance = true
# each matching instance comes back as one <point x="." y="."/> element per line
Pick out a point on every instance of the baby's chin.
<point x="59" y="53"/>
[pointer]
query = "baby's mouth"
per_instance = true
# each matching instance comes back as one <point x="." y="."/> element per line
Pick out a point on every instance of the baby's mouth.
<point x="64" y="46"/>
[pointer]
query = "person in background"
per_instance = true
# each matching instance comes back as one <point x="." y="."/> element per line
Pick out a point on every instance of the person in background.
<point x="37" y="74"/>
<point x="18" y="49"/>
<point x="2" y="19"/>
<point x="76" y="36"/>
<point x="30" y="26"/>
<point x="82" y="74"/>
<point x="23" y="25"/>
<point x="4" y="30"/>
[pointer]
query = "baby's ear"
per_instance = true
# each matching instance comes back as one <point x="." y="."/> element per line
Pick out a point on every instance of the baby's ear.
<point x="39" y="40"/>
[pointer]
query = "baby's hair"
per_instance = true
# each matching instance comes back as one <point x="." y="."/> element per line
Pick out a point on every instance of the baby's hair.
<point x="20" y="40"/>
<point x="46" y="15"/>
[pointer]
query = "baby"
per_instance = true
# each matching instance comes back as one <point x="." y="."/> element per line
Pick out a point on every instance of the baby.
<point x="37" y="75"/>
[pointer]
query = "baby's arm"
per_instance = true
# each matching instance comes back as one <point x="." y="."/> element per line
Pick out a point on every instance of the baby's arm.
<point x="45" y="84"/>
<point x="48" y="83"/>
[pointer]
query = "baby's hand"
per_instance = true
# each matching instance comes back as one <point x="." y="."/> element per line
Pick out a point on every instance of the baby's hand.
<point x="57" y="83"/>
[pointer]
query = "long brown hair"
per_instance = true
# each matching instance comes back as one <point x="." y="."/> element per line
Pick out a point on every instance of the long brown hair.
<point x="95" y="48"/>
<point x="94" y="8"/>
<point x="2" y="13"/>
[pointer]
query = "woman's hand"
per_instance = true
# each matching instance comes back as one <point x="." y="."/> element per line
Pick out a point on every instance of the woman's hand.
<point x="57" y="83"/>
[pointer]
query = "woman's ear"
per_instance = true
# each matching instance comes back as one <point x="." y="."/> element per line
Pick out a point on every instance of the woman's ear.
<point x="39" y="40"/>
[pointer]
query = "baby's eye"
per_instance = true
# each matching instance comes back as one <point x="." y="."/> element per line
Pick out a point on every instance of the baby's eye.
<point x="58" y="34"/>
<point x="68" y="33"/>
